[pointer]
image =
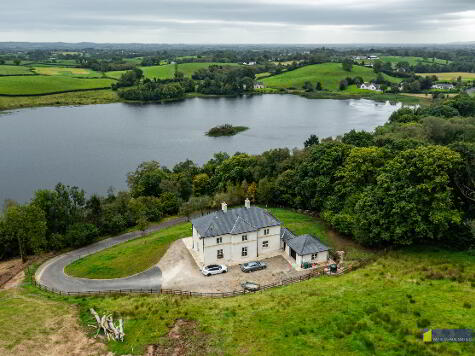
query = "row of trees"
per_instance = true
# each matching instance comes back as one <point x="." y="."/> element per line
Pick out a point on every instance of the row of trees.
<point x="411" y="181"/>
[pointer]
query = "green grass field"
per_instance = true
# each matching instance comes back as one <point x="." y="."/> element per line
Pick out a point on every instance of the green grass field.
<point x="14" y="70"/>
<point x="67" y="72"/>
<point x="167" y="71"/>
<point x="41" y="84"/>
<point x="379" y="309"/>
<point x="411" y="60"/>
<point x="73" y="98"/>
<point x="449" y="76"/>
<point x="329" y="74"/>
<point x="128" y="258"/>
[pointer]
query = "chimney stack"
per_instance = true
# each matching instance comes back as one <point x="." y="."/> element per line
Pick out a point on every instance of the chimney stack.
<point x="224" y="207"/>
<point x="247" y="203"/>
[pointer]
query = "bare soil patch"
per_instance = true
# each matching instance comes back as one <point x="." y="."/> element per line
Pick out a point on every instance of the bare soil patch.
<point x="184" y="338"/>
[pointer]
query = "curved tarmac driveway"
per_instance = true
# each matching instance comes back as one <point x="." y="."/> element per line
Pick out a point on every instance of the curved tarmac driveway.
<point x="51" y="273"/>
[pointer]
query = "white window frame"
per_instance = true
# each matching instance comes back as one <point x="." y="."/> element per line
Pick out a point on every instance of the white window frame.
<point x="220" y="254"/>
<point x="219" y="240"/>
<point x="244" y="238"/>
<point x="314" y="256"/>
<point x="265" y="244"/>
<point x="244" y="251"/>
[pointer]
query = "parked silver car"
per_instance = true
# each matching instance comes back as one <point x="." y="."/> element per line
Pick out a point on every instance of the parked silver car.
<point x="214" y="269"/>
<point x="252" y="266"/>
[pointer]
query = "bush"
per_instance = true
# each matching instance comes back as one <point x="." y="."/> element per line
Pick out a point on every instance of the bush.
<point x="81" y="234"/>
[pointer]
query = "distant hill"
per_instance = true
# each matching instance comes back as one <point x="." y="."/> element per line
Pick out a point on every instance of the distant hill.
<point x="329" y="74"/>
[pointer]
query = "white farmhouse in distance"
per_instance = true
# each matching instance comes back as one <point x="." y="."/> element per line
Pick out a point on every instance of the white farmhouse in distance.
<point x="443" y="86"/>
<point x="371" y="86"/>
<point x="250" y="233"/>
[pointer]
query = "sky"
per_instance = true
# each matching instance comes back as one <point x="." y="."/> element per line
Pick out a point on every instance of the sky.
<point x="243" y="21"/>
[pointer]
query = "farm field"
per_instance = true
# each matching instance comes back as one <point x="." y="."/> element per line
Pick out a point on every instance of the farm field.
<point x="67" y="71"/>
<point x="378" y="309"/>
<point x="449" y="76"/>
<point x="167" y="71"/>
<point x="329" y="74"/>
<point x="14" y="70"/>
<point x="72" y="98"/>
<point x="411" y="60"/>
<point x="40" y="84"/>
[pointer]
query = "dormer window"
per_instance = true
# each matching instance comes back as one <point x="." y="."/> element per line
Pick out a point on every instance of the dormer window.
<point x="219" y="240"/>
<point x="244" y="237"/>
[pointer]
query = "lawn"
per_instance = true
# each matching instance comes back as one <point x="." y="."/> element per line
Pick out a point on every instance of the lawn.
<point x="451" y="76"/>
<point x="68" y="72"/>
<point x="329" y="74"/>
<point x="379" y="309"/>
<point x="14" y="70"/>
<point x="411" y="60"/>
<point x="128" y="258"/>
<point x="41" y="84"/>
<point x="167" y="71"/>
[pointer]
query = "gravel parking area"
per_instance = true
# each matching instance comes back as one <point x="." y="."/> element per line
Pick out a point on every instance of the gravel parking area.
<point x="179" y="271"/>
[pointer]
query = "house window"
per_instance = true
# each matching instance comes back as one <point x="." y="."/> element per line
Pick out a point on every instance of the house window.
<point x="220" y="253"/>
<point x="266" y="231"/>
<point x="265" y="244"/>
<point x="244" y="252"/>
<point x="219" y="240"/>
<point x="244" y="237"/>
<point x="314" y="256"/>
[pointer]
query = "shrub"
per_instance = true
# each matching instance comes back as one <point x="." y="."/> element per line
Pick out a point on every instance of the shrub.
<point x="423" y="323"/>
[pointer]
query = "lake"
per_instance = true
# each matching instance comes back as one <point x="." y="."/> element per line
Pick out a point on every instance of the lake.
<point x="95" y="146"/>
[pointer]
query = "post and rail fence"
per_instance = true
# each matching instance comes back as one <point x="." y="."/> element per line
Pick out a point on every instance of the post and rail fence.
<point x="313" y="274"/>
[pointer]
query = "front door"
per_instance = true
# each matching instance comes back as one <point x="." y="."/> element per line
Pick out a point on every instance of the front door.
<point x="293" y="254"/>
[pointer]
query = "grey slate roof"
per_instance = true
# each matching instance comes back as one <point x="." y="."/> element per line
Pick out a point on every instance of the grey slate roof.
<point x="234" y="221"/>
<point x="306" y="244"/>
<point x="286" y="234"/>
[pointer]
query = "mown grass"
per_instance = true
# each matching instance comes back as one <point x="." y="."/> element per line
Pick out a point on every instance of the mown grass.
<point x="167" y="71"/>
<point x="130" y="257"/>
<point x="14" y="70"/>
<point x="377" y="310"/>
<point x="68" y="72"/>
<point x="449" y="76"/>
<point x="411" y="60"/>
<point x="329" y="74"/>
<point x="74" y="98"/>
<point x="41" y="84"/>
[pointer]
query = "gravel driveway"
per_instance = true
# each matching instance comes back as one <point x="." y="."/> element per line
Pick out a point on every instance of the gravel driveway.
<point x="51" y="274"/>
<point x="180" y="271"/>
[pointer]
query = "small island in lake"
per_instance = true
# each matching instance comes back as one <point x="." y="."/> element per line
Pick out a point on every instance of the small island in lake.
<point x="226" y="130"/>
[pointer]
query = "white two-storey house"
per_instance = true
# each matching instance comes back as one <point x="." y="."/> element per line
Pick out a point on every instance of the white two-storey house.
<point x="236" y="235"/>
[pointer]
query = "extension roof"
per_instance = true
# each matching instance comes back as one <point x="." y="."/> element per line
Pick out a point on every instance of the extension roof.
<point x="286" y="234"/>
<point x="306" y="244"/>
<point x="234" y="221"/>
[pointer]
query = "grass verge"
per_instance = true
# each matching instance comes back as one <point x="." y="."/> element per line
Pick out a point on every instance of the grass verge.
<point x="130" y="257"/>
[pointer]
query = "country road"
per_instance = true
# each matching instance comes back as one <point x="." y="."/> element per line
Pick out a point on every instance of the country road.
<point x="51" y="273"/>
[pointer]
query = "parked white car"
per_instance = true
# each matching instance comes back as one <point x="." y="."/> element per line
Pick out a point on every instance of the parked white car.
<point x="214" y="269"/>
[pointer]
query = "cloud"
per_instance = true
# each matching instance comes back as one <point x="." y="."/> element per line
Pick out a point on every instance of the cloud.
<point x="201" y="21"/>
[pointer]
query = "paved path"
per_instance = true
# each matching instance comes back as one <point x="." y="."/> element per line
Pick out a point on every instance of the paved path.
<point x="51" y="273"/>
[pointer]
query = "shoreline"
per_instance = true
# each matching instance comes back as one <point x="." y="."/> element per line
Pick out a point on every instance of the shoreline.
<point x="108" y="96"/>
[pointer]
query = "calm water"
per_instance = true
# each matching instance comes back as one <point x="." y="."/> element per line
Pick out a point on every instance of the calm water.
<point x="95" y="146"/>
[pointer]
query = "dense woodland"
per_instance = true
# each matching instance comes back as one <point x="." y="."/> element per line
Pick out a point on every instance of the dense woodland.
<point x="412" y="181"/>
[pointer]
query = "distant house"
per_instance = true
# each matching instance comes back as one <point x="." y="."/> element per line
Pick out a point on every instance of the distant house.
<point x="249" y="63"/>
<point x="443" y="86"/>
<point x="373" y="57"/>
<point x="259" y="85"/>
<point x="304" y="248"/>
<point x="371" y="86"/>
